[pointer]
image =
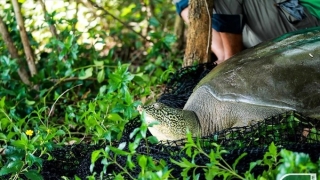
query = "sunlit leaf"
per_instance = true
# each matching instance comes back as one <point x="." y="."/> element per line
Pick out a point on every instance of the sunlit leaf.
<point x="86" y="74"/>
<point x="153" y="139"/>
<point x="2" y="102"/>
<point x="95" y="155"/>
<point x="30" y="102"/>
<point x="114" y="117"/>
<point x="101" y="75"/>
<point x="142" y="161"/>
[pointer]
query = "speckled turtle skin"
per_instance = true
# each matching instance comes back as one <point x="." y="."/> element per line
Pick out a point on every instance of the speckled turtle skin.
<point x="280" y="75"/>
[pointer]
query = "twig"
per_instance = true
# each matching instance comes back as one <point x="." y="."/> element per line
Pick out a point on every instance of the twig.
<point x="59" y="98"/>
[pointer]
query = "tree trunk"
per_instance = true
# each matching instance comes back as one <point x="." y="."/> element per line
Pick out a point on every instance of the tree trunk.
<point x="199" y="32"/>
<point x="24" y="38"/>
<point x="179" y="28"/>
<point x="23" y="74"/>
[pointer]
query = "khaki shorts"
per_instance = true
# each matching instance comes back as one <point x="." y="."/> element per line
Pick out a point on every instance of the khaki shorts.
<point x="263" y="19"/>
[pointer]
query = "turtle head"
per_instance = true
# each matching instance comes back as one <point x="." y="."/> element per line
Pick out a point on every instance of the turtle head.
<point x="172" y="123"/>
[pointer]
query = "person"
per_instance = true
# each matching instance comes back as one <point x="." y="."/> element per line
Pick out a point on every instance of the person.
<point x="239" y="24"/>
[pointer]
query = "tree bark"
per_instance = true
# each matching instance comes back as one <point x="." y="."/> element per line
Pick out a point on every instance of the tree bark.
<point x="24" y="38"/>
<point x="23" y="74"/>
<point x="199" y="32"/>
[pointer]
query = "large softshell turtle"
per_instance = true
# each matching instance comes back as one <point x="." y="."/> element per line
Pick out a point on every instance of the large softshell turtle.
<point x="274" y="77"/>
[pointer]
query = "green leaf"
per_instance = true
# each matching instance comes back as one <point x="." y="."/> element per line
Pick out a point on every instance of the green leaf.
<point x="95" y="156"/>
<point x="238" y="159"/>
<point x="2" y="102"/>
<point x="127" y="97"/>
<point x="133" y="146"/>
<point x="3" y="137"/>
<point x="35" y="138"/>
<point x="101" y="76"/>
<point x="24" y="138"/>
<point x="153" y="139"/>
<point x="129" y="163"/>
<point x="91" y="167"/>
<point x="142" y="161"/>
<point x="33" y="159"/>
<point x="118" y="151"/>
<point x="122" y="145"/>
<point x="184" y="164"/>
<point x="17" y="165"/>
<point x="143" y="130"/>
<point x="273" y="149"/>
<point x="114" y="117"/>
<point x="119" y="177"/>
<point x="5" y="170"/>
<point x="169" y="39"/>
<point x="98" y="63"/>
<point x="254" y="164"/>
<point x="30" y="147"/>
<point x="34" y="175"/>
<point x="30" y="102"/>
<point x="134" y="132"/>
<point x="86" y="74"/>
<point x="102" y="89"/>
<point x="20" y="144"/>
<point x="60" y="133"/>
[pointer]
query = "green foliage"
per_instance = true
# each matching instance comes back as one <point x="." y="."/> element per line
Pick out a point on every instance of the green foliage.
<point x="217" y="167"/>
<point x="91" y="77"/>
<point x="80" y="92"/>
<point x="277" y="164"/>
<point x="149" y="167"/>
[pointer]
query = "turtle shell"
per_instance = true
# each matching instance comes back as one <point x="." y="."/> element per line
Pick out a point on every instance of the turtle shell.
<point x="283" y="72"/>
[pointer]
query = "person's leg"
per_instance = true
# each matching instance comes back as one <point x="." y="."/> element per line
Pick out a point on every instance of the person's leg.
<point x="232" y="44"/>
<point x="185" y="15"/>
<point x="227" y="43"/>
<point x="217" y="46"/>
<point x="227" y="26"/>
<point x="216" y="42"/>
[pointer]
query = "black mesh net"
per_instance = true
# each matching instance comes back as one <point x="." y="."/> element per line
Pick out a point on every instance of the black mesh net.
<point x="290" y="130"/>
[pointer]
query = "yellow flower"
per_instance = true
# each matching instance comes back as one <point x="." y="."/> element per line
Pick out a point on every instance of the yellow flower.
<point x="29" y="132"/>
<point x="48" y="131"/>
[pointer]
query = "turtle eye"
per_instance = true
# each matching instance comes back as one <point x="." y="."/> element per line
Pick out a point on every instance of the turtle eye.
<point x="156" y="106"/>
